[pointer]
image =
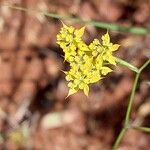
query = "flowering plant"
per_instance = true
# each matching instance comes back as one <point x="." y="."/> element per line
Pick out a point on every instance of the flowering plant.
<point x="87" y="62"/>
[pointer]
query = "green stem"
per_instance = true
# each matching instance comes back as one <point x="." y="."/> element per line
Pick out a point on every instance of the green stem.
<point x="128" y="65"/>
<point x="133" y="92"/>
<point x="127" y="117"/>
<point x="131" y="99"/>
<point x="144" y="129"/>
<point x="104" y="25"/>
<point x="120" y="136"/>
<point x="144" y="65"/>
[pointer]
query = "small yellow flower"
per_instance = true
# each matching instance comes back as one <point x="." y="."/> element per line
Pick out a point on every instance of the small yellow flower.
<point x="87" y="62"/>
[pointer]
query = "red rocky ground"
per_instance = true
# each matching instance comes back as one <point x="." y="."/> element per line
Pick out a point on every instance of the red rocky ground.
<point x="34" y="113"/>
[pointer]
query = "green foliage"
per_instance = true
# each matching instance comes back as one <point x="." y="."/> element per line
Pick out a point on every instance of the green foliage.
<point x="87" y="62"/>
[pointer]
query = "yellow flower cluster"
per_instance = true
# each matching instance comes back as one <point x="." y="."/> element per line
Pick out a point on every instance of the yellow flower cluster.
<point x="87" y="62"/>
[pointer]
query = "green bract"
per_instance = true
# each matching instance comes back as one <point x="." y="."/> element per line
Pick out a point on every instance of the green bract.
<point x="87" y="62"/>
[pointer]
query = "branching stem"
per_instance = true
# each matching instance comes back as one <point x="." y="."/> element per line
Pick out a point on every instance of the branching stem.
<point x="129" y="107"/>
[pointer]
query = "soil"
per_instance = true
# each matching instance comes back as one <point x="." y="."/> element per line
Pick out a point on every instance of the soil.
<point x="34" y="113"/>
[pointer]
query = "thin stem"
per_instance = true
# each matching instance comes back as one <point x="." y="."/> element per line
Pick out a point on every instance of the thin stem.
<point x="144" y="65"/>
<point x="131" y="99"/>
<point x="133" y="92"/>
<point x="104" y="25"/>
<point x="122" y="132"/>
<point x="144" y="129"/>
<point x="128" y="65"/>
<point x="120" y="136"/>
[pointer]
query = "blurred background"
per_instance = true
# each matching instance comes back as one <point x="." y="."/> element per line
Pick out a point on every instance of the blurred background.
<point x="34" y="113"/>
